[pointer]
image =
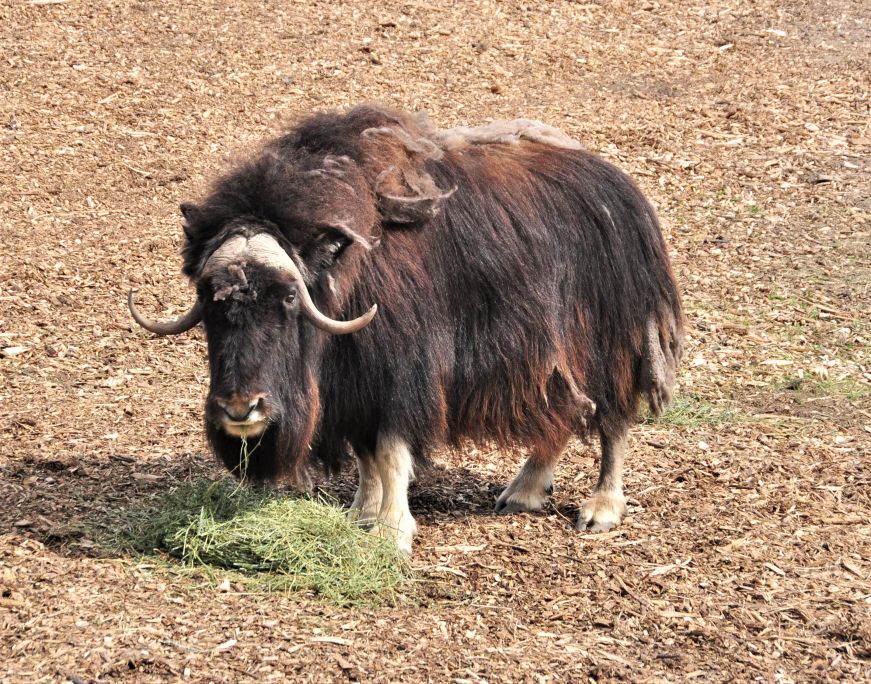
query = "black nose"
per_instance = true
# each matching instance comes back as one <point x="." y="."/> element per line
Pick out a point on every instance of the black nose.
<point x="239" y="408"/>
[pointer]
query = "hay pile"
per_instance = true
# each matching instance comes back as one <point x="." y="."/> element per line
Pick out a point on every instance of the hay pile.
<point x="276" y="542"/>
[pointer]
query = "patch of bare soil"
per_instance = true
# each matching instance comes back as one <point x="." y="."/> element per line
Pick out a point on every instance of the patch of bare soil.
<point x="747" y="552"/>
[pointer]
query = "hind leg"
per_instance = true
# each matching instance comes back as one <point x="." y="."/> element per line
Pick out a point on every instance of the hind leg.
<point x="532" y="486"/>
<point x="607" y="506"/>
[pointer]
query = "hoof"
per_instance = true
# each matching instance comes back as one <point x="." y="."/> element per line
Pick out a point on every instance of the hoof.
<point x="518" y="502"/>
<point x="507" y="507"/>
<point x="364" y="519"/>
<point x="601" y="513"/>
<point x="402" y="534"/>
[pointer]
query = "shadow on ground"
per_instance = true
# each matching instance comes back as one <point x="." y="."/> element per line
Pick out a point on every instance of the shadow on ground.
<point x="74" y="504"/>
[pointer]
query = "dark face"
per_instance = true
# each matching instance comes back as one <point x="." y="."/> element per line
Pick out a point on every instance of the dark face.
<point x="262" y="396"/>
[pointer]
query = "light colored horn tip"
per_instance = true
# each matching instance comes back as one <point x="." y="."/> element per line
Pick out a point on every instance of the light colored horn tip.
<point x="130" y="303"/>
<point x="370" y="314"/>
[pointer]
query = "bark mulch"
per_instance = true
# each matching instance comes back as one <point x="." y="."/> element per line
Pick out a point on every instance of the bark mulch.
<point x="746" y="555"/>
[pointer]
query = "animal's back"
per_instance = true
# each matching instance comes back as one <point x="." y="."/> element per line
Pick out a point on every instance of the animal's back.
<point x="520" y="312"/>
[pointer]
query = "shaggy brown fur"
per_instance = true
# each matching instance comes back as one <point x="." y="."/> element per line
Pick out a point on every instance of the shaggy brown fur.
<point x="523" y="286"/>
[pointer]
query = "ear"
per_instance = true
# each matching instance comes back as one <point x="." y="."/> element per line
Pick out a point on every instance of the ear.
<point x="331" y="245"/>
<point x="189" y="210"/>
<point x="191" y="213"/>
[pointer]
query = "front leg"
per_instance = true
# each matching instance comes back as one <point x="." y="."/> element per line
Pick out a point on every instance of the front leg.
<point x="367" y="500"/>
<point x="607" y="506"/>
<point x="395" y="464"/>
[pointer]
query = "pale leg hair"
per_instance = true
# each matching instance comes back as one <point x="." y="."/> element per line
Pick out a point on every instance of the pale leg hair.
<point x="367" y="500"/>
<point x="532" y="486"/>
<point x="395" y="464"/>
<point x="606" y="508"/>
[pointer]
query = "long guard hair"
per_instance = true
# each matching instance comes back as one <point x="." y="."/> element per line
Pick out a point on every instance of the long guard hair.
<point x="523" y="285"/>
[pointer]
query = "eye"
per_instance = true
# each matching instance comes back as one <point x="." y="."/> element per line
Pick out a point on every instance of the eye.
<point x="289" y="299"/>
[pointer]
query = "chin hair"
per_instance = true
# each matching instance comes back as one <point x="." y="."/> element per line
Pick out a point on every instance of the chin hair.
<point x="271" y="456"/>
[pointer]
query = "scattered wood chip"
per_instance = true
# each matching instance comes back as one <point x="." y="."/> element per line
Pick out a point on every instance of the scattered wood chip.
<point x="852" y="568"/>
<point x="775" y="569"/>
<point x="146" y="477"/>
<point x="339" y="641"/>
<point x="226" y="646"/>
<point x="662" y="570"/>
<point x="460" y="548"/>
<point x="447" y="569"/>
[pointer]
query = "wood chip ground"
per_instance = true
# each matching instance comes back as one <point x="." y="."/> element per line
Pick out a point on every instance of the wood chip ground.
<point x="747" y="552"/>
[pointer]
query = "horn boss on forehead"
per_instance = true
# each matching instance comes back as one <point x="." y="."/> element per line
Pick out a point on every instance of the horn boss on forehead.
<point x="265" y="250"/>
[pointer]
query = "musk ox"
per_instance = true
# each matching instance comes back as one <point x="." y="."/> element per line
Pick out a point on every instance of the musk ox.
<point x="373" y="287"/>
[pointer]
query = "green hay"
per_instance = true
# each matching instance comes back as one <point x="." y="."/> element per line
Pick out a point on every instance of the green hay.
<point x="693" y="411"/>
<point x="274" y="541"/>
<point x="844" y="388"/>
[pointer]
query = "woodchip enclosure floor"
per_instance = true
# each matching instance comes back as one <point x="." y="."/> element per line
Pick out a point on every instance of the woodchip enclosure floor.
<point x="747" y="552"/>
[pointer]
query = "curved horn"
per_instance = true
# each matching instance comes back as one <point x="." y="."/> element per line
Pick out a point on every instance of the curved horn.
<point x="266" y="249"/>
<point x="181" y="324"/>
<point x="328" y="324"/>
